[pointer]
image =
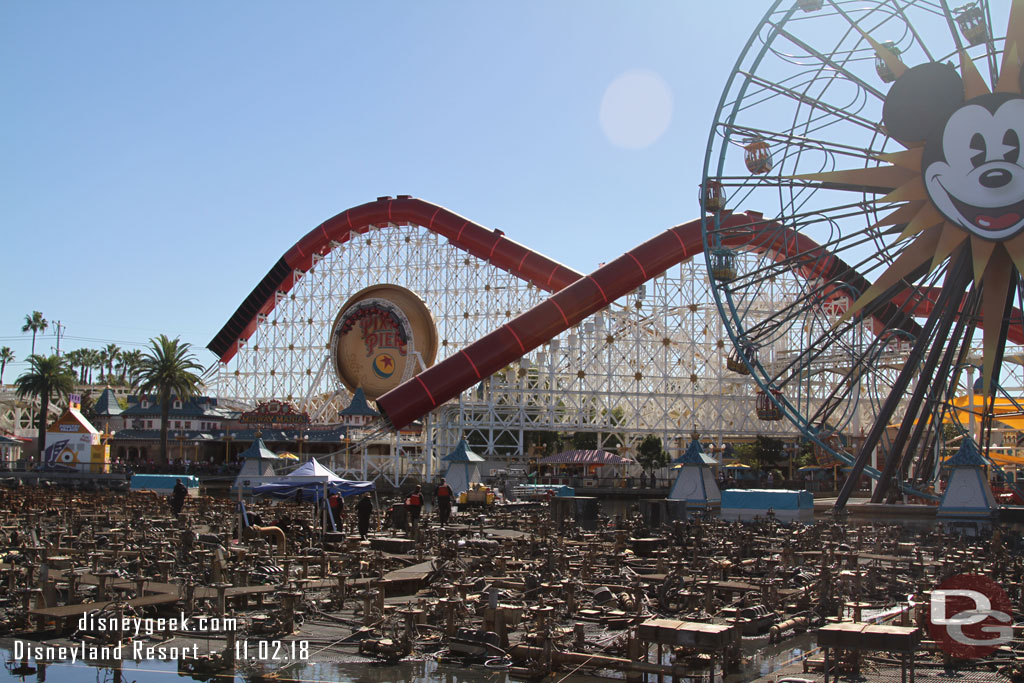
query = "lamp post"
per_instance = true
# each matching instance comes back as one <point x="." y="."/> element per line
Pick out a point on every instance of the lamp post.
<point x="227" y="446"/>
<point x="181" y="447"/>
<point x="791" y="447"/>
<point x="105" y="438"/>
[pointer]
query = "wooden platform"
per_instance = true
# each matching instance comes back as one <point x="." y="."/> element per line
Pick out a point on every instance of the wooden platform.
<point x="706" y="637"/>
<point x="394" y="545"/>
<point x="207" y="593"/>
<point x="860" y="636"/>
<point x="65" y="611"/>
<point x="404" y="581"/>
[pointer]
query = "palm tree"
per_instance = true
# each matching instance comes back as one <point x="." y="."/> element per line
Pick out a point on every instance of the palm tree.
<point x="93" y="360"/>
<point x="46" y="377"/>
<point x="85" y="364"/>
<point x="102" y="359"/>
<point x="167" y="369"/>
<point x="129" y="362"/>
<point x="110" y="354"/>
<point x="81" y="361"/>
<point x="6" y="356"/>
<point x="101" y="362"/>
<point x="75" y="359"/>
<point x="34" y="322"/>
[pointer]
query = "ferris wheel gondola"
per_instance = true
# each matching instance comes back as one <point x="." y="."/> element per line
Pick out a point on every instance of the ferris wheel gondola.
<point x="881" y="139"/>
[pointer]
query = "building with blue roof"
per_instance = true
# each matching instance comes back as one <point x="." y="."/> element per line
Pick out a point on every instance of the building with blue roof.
<point x="358" y="412"/>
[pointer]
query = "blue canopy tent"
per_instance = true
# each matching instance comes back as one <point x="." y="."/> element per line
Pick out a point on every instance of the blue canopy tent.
<point x="311" y="478"/>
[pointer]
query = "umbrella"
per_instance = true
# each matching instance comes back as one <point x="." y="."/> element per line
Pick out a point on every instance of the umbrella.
<point x="288" y="456"/>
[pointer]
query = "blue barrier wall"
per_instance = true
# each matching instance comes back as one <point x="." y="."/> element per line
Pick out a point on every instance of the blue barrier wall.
<point x="163" y="483"/>
<point x="762" y="499"/>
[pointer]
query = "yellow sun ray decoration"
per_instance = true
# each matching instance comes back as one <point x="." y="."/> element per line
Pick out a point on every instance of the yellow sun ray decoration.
<point x="959" y="183"/>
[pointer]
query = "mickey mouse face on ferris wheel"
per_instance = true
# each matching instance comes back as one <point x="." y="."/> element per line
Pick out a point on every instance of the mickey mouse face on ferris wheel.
<point x="972" y="165"/>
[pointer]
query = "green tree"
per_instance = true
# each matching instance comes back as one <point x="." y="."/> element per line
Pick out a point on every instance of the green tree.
<point x="744" y="452"/>
<point x="74" y="360"/>
<point x="651" y="455"/>
<point x="93" y="361"/>
<point x="110" y="354"/>
<point x="88" y="407"/>
<point x="768" y="452"/>
<point x="84" y="359"/>
<point x="805" y="455"/>
<point x="47" y="377"/>
<point x="591" y="441"/>
<point x="34" y="323"/>
<point x="765" y="453"/>
<point x="584" y="441"/>
<point x="168" y="369"/>
<point x="128" y="363"/>
<point x="6" y="356"/>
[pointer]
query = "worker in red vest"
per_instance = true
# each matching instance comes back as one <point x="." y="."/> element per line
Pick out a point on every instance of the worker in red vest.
<point x="444" y="494"/>
<point x="337" y="505"/>
<point x="414" y="504"/>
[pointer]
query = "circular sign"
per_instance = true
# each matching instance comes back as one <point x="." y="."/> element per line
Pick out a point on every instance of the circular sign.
<point x="970" y="616"/>
<point x="383" y="336"/>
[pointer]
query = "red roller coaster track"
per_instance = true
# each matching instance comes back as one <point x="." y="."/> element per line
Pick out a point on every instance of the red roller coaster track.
<point x="576" y="296"/>
<point x="487" y="245"/>
<point x="590" y="294"/>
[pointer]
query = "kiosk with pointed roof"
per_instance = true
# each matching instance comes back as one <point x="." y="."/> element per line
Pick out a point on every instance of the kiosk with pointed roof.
<point x="695" y="482"/>
<point x="967" y="493"/>
<point x="106" y="407"/>
<point x="257" y="461"/>
<point x="73" y="442"/>
<point x="463" y="468"/>
<point x="358" y="413"/>
<point x="107" y="404"/>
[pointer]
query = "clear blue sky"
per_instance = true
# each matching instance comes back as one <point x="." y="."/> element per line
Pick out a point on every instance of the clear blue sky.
<point x="159" y="157"/>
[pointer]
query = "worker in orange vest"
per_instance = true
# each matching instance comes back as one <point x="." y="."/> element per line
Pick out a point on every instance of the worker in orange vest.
<point x="414" y="504"/>
<point x="444" y="494"/>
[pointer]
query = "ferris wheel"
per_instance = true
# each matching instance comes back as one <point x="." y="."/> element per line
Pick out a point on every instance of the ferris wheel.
<point x="881" y="141"/>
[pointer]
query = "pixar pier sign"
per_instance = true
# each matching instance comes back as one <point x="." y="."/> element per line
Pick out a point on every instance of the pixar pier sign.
<point x="383" y="335"/>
